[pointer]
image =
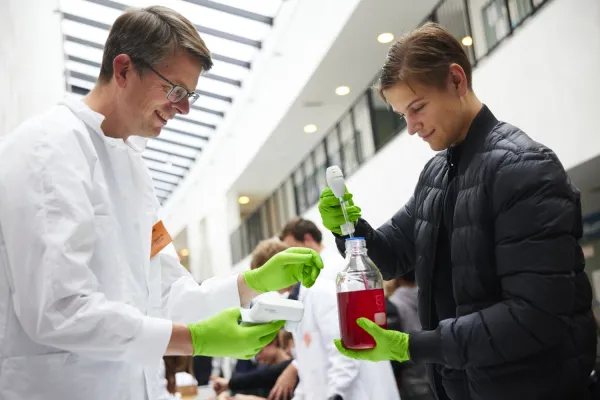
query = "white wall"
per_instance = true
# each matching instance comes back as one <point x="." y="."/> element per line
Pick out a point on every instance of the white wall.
<point x="546" y="79"/>
<point x="31" y="60"/>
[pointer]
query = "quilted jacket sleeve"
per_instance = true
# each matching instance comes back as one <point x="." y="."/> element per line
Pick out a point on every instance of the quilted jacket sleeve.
<point x="537" y="223"/>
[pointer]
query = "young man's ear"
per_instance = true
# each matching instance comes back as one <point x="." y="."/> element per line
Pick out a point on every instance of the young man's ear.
<point x="457" y="80"/>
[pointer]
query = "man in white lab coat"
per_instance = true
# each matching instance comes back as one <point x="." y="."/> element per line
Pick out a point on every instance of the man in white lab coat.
<point x="90" y="297"/>
<point x="323" y="372"/>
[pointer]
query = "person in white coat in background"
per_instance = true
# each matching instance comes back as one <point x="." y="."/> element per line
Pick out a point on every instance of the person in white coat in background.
<point x="323" y="372"/>
<point x="90" y="297"/>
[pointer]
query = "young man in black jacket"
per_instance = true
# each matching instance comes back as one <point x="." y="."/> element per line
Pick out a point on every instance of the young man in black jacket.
<point x="491" y="232"/>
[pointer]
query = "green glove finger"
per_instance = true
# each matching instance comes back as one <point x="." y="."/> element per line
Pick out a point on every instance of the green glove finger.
<point x="292" y="258"/>
<point x="309" y="276"/>
<point x="339" y="220"/>
<point x="317" y="261"/>
<point x="314" y="274"/>
<point x="371" y="327"/>
<point x="327" y="193"/>
<point x="274" y="328"/>
<point x="357" y="355"/>
<point x="299" y="250"/>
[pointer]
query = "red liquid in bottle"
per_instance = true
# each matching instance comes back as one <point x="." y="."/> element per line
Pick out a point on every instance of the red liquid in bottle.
<point x="360" y="304"/>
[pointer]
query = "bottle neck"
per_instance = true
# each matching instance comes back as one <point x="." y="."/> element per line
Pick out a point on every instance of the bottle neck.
<point x="356" y="247"/>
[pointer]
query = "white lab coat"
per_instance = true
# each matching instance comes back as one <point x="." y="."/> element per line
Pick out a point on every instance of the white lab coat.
<point x="84" y="311"/>
<point x="322" y="369"/>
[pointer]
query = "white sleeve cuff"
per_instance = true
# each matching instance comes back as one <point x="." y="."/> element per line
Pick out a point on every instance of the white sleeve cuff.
<point x="150" y="345"/>
<point x="190" y="302"/>
<point x="231" y="291"/>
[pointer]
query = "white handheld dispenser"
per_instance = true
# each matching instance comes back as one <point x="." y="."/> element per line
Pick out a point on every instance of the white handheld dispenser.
<point x="335" y="181"/>
<point x="271" y="308"/>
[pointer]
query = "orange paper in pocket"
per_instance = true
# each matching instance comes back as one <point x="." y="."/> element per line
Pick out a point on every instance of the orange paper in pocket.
<point x="160" y="238"/>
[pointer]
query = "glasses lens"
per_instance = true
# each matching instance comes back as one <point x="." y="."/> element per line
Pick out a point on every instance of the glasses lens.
<point x="177" y="94"/>
<point x="193" y="98"/>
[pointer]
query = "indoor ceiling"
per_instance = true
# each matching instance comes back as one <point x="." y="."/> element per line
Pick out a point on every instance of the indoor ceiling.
<point x="234" y="31"/>
<point x="353" y="60"/>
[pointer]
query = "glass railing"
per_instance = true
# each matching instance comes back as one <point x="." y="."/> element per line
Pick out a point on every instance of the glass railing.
<point x="369" y="124"/>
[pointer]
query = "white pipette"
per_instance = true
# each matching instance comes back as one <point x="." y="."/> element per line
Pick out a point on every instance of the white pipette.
<point x="335" y="180"/>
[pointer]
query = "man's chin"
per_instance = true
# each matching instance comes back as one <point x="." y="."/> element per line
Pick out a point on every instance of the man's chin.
<point x="435" y="146"/>
<point x="151" y="133"/>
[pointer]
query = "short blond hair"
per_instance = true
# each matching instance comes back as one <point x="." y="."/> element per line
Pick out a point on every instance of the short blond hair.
<point x="151" y="35"/>
<point x="265" y="250"/>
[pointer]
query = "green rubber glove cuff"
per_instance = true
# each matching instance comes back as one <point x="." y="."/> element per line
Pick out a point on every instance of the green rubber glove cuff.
<point x="253" y="281"/>
<point x="398" y="342"/>
<point x="196" y="334"/>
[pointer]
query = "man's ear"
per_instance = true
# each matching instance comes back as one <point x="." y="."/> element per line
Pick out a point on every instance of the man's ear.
<point x="457" y="80"/>
<point x="122" y="69"/>
<point x="308" y="238"/>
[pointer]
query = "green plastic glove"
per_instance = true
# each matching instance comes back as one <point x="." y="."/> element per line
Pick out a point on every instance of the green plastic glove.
<point x="222" y="336"/>
<point x="389" y="345"/>
<point x="284" y="269"/>
<point x="331" y="211"/>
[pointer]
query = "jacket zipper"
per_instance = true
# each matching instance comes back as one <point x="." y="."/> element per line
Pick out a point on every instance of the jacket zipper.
<point x="436" y="235"/>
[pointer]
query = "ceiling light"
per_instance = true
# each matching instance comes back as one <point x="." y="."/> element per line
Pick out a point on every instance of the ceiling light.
<point x="310" y="128"/>
<point x="184" y="253"/>
<point x="244" y="200"/>
<point x="385" y="37"/>
<point x="342" y="90"/>
<point x="467" y="41"/>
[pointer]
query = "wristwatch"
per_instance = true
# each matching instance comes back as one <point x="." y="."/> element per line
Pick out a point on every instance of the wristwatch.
<point x="336" y="397"/>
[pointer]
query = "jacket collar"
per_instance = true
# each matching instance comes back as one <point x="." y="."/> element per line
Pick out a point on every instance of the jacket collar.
<point x="483" y="124"/>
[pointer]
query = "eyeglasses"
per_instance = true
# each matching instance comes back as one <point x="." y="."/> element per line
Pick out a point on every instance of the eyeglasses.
<point x="177" y="92"/>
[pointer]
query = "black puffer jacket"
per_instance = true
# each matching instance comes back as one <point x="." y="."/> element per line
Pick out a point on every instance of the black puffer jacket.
<point x="524" y="328"/>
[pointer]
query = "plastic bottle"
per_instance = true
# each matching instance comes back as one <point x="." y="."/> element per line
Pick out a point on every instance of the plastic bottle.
<point x="359" y="294"/>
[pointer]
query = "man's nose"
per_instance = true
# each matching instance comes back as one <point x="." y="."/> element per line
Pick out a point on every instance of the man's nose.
<point x="413" y="125"/>
<point x="182" y="106"/>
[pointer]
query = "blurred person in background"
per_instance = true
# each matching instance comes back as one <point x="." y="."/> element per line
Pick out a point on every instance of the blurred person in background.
<point x="401" y="304"/>
<point x="491" y="233"/>
<point x="322" y="371"/>
<point x="90" y="297"/>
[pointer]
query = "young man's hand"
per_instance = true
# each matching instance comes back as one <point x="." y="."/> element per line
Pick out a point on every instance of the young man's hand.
<point x="331" y="211"/>
<point x="389" y="345"/>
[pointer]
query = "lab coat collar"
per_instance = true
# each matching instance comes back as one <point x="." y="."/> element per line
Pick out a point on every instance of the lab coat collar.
<point x="94" y="120"/>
